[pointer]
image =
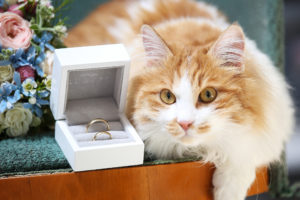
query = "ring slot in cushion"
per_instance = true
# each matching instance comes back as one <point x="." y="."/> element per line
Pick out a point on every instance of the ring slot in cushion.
<point x="114" y="125"/>
<point x="89" y="136"/>
<point x="119" y="136"/>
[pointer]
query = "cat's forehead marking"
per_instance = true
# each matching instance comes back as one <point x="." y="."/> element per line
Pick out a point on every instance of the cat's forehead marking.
<point x="183" y="87"/>
<point x="184" y="102"/>
<point x="189" y="59"/>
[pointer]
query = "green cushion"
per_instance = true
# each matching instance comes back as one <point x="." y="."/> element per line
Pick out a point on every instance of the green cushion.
<point x="262" y="21"/>
<point x="35" y="152"/>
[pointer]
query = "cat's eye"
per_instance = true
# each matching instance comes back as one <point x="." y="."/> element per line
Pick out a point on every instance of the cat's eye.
<point x="208" y="95"/>
<point x="167" y="96"/>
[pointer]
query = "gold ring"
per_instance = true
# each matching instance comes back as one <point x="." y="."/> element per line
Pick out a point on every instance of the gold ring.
<point x="101" y="132"/>
<point x="95" y="121"/>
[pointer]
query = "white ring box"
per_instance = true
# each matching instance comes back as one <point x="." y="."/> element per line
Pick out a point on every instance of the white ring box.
<point x="88" y="83"/>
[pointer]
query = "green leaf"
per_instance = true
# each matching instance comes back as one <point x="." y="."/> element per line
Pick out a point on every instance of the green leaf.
<point x="63" y="5"/>
<point x="34" y="27"/>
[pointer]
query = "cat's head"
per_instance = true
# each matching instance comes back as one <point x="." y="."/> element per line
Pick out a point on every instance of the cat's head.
<point x="188" y="94"/>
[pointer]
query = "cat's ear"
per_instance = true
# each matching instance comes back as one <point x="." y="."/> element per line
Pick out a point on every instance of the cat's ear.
<point x="229" y="48"/>
<point x="155" y="47"/>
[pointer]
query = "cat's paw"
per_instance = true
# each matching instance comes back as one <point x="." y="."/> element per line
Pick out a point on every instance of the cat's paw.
<point x="232" y="183"/>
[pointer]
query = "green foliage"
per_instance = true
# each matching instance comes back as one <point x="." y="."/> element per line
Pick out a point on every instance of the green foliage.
<point x="6" y="53"/>
<point x="43" y="17"/>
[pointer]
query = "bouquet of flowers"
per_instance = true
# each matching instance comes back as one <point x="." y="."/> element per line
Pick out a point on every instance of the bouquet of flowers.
<point x="29" y="33"/>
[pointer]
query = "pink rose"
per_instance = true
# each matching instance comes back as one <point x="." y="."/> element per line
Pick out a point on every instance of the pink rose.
<point x="14" y="31"/>
<point x="15" y="9"/>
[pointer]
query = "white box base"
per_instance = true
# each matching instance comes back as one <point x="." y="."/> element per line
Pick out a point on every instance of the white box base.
<point x="88" y="83"/>
<point x="99" y="157"/>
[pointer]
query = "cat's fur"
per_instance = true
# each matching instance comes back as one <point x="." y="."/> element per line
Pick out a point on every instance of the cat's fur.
<point x="191" y="47"/>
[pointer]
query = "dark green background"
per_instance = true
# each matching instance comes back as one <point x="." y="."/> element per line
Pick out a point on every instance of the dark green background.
<point x="262" y="20"/>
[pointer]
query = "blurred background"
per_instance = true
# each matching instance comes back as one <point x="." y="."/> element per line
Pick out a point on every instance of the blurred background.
<point x="292" y="63"/>
<point x="292" y="70"/>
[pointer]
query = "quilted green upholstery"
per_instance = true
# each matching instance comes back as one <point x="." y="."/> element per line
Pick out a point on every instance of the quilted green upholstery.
<point x="262" y="21"/>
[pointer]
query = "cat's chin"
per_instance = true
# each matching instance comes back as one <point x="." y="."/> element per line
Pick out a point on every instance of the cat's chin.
<point x="189" y="140"/>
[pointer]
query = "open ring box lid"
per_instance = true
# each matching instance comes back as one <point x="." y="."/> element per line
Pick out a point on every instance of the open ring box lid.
<point x="88" y="83"/>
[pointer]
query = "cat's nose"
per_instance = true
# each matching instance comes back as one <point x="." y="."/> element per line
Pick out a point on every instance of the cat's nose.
<point x="185" y="124"/>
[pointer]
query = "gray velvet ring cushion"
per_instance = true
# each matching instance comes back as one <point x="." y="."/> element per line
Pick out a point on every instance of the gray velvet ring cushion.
<point x="83" y="139"/>
<point x="82" y="111"/>
<point x="81" y="128"/>
<point x="89" y="136"/>
<point x="117" y="132"/>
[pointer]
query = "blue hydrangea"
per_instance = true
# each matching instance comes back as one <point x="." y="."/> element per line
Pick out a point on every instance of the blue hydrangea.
<point x="8" y="96"/>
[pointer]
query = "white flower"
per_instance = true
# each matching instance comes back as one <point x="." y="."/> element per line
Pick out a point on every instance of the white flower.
<point x="47" y="81"/>
<point x="29" y="87"/>
<point x="47" y="64"/>
<point x="45" y="2"/>
<point x="17" y="121"/>
<point x="60" y="28"/>
<point x="32" y="100"/>
<point x="11" y="2"/>
<point x="9" y="105"/>
<point x="6" y="73"/>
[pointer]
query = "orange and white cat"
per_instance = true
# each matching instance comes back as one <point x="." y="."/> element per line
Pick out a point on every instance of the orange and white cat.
<point x="200" y="87"/>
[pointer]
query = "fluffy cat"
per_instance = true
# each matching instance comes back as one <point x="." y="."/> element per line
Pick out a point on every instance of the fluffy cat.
<point x="200" y="87"/>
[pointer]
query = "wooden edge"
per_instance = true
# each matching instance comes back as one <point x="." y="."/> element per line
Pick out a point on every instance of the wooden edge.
<point x="187" y="180"/>
<point x="261" y="183"/>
